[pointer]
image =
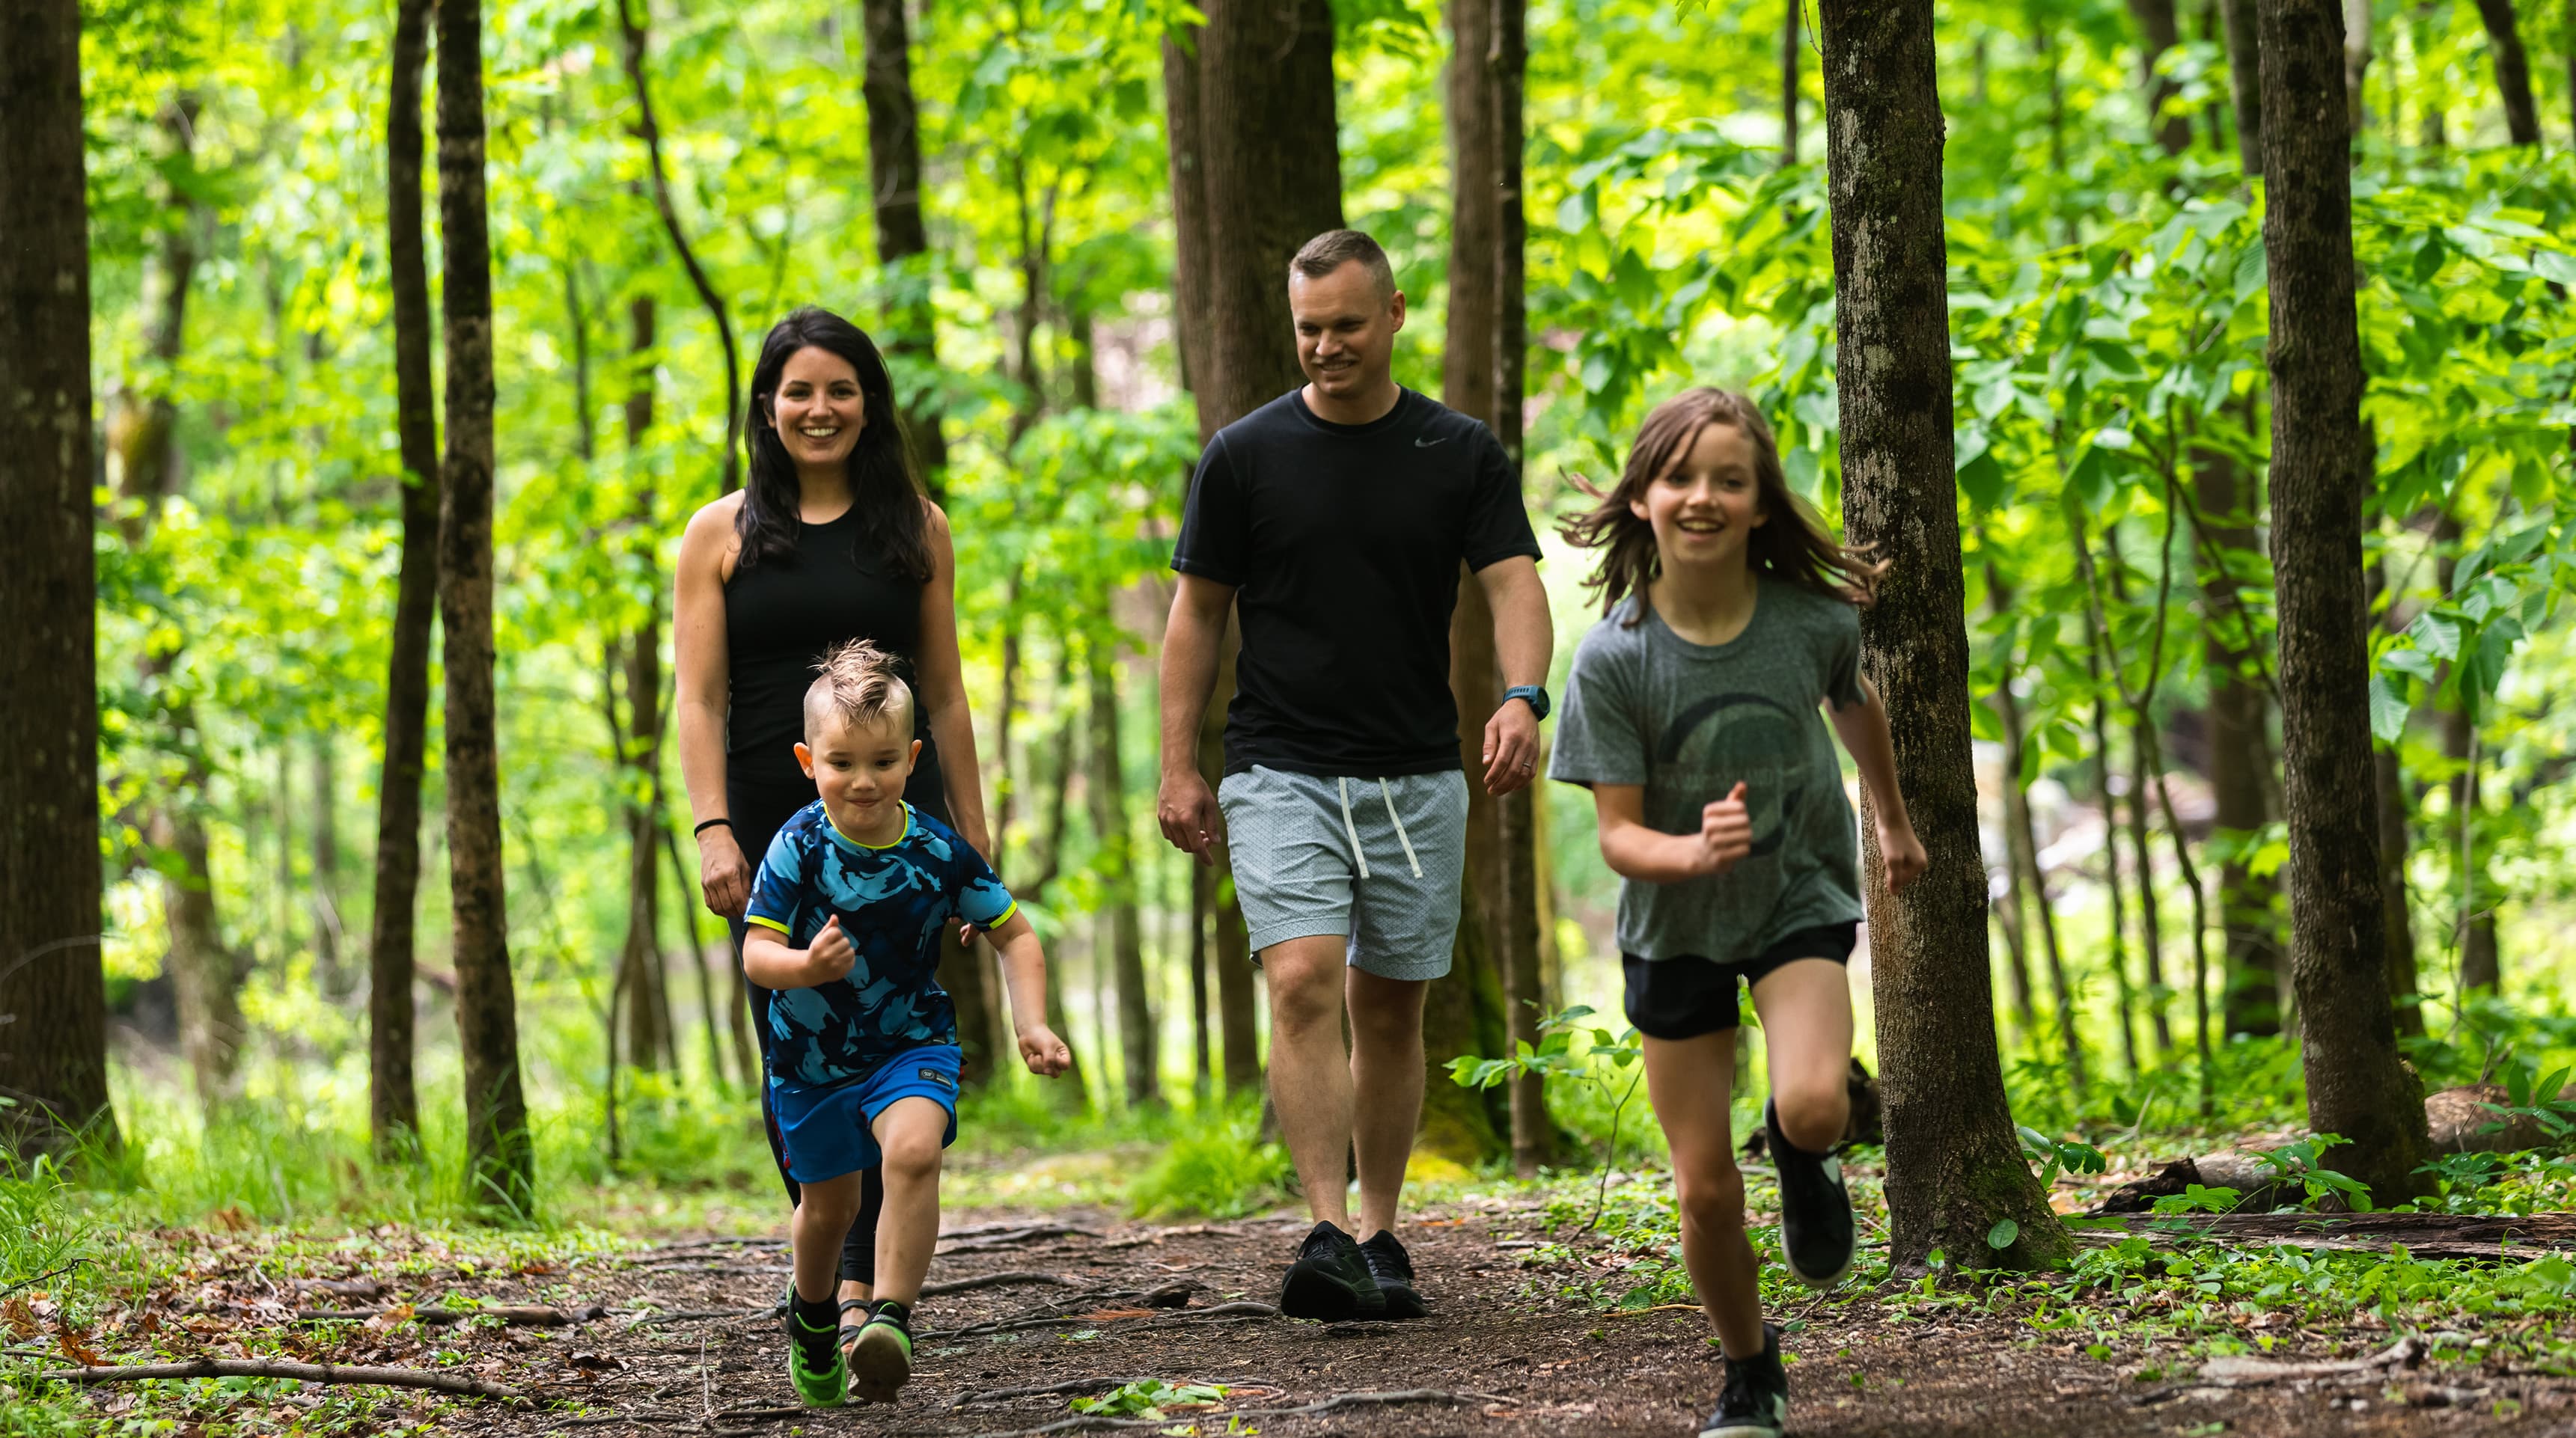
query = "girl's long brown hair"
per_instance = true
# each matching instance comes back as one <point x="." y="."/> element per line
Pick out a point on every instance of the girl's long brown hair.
<point x="1793" y="547"/>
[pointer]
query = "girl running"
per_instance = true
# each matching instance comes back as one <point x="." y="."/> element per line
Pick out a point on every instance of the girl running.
<point x="1728" y="619"/>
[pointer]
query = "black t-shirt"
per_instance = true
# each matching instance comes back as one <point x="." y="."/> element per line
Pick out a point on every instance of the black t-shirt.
<point x="1343" y="544"/>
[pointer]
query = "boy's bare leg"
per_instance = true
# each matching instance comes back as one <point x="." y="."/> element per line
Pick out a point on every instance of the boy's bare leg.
<point x="823" y="1214"/>
<point x="1688" y="1082"/>
<point x="1386" y="1064"/>
<point x="1310" y="1073"/>
<point x="1807" y="1028"/>
<point x="909" y="1133"/>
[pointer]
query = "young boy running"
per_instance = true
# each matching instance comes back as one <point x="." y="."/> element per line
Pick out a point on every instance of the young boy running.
<point x="1693" y="716"/>
<point x="846" y="916"/>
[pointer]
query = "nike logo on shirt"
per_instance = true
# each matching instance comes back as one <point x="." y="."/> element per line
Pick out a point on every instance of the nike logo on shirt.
<point x="1420" y="443"/>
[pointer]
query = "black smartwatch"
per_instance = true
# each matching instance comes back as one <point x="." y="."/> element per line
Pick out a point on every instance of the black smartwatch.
<point x="1534" y="695"/>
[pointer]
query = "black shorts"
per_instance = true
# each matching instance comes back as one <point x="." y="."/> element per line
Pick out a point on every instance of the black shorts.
<point x="1686" y="996"/>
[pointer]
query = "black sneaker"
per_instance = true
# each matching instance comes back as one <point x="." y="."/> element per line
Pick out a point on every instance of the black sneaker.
<point x="1330" y="1281"/>
<point x="1815" y="1209"/>
<point x="1755" y="1401"/>
<point x="1392" y="1267"/>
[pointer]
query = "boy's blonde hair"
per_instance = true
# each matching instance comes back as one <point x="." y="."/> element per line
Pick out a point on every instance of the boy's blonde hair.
<point x="857" y="683"/>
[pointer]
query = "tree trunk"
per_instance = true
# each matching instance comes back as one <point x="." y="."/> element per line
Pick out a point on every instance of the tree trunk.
<point x="651" y="1043"/>
<point x="2252" y="1002"/>
<point x="1507" y="65"/>
<point x="1954" y="1165"/>
<point x="635" y="31"/>
<point x="1238" y="1022"/>
<point x="2158" y="31"/>
<point x="2480" y="962"/>
<point x="2404" y="982"/>
<point x="392" y="1107"/>
<point x="499" y="1156"/>
<point x="2151" y="922"/>
<point x="1137" y="1034"/>
<point x="1789" y="84"/>
<point x="53" y="1050"/>
<point x="1202" y="880"/>
<point x="2513" y="71"/>
<point x="903" y="245"/>
<point x="2356" y="66"/>
<point x="326" y="870"/>
<point x="2113" y="896"/>
<point x="2021" y="844"/>
<point x="2321" y="467"/>
<point x="2245" y="79"/>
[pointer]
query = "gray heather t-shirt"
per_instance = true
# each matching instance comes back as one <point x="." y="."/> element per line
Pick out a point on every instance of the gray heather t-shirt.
<point x="1646" y="706"/>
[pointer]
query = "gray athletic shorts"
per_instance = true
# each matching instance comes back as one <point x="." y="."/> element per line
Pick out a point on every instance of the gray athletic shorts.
<point x="1377" y="860"/>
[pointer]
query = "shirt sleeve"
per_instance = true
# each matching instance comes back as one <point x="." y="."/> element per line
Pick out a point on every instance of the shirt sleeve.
<point x="1842" y="656"/>
<point x="1216" y="522"/>
<point x="1600" y="733"/>
<point x="778" y="890"/>
<point x="980" y="898"/>
<point x="1498" y="524"/>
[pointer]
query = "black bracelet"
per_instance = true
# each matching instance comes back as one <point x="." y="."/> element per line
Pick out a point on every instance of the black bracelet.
<point x="711" y="823"/>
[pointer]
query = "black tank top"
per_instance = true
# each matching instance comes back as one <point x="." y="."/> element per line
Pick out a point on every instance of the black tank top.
<point x="780" y="617"/>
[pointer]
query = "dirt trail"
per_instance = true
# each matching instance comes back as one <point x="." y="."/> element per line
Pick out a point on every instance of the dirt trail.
<point x="1510" y="1364"/>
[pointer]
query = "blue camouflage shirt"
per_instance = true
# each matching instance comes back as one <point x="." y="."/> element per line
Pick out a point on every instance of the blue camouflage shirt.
<point x="894" y="903"/>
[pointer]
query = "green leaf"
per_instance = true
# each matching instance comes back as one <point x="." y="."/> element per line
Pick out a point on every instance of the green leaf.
<point x="2001" y="1236"/>
<point x="2388" y="707"/>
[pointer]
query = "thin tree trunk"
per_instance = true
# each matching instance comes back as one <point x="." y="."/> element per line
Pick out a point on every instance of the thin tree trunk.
<point x="745" y="1061"/>
<point x="2422" y="24"/>
<point x="2245" y="79"/>
<point x="393" y="1109"/>
<point x="1137" y="1034"/>
<point x="636" y="657"/>
<point x="2513" y="71"/>
<point x="499" y="1155"/>
<point x="53" y="1050"/>
<point x="1954" y="1165"/>
<point x="2113" y="894"/>
<point x="649" y="130"/>
<point x="1789" y="84"/>
<point x="326" y="869"/>
<point x="2480" y="962"/>
<point x="1507" y="65"/>
<point x="2356" y="66"/>
<point x="903" y="245"/>
<point x="1202" y="914"/>
<point x="2322" y="465"/>
<point x="2151" y="923"/>
<point x="2391" y="791"/>
<point x="2160" y="30"/>
<point x="2252" y="987"/>
<point x="2021" y="843"/>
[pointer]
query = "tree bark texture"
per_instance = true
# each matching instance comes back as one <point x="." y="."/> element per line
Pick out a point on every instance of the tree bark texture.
<point x="499" y="1156"/>
<point x="903" y="244"/>
<point x="53" y="1003"/>
<point x="1137" y="1033"/>
<point x="393" y="1107"/>
<point x="2245" y="79"/>
<point x="2238" y="752"/>
<point x="2513" y="71"/>
<point x="2158" y="31"/>
<point x="1954" y="1164"/>
<point x="2321" y="467"/>
<point x="2389" y="788"/>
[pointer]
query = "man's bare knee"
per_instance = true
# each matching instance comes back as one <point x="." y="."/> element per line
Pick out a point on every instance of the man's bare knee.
<point x="1305" y="996"/>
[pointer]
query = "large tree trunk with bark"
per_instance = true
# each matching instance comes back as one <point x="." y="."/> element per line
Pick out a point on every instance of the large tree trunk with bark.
<point x="2237" y="750"/>
<point x="53" y="1003"/>
<point x="1124" y="936"/>
<point x="1954" y="1164"/>
<point x="2513" y="71"/>
<point x="499" y="1156"/>
<point x="393" y="1108"/>
<point x="903" y="245"/>
<point x="2358" y="1087"/>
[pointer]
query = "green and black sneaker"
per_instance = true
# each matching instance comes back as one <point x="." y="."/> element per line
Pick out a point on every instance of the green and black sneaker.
<point x="815" y="1367"/>
<point x="881" y="1361"/>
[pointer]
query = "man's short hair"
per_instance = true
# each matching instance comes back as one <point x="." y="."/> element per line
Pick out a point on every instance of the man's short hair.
<point x="857" y="683"/>
<point x="1333" y="249"/>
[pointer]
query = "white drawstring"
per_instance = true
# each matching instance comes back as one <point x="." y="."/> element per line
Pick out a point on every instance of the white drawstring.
<point x="1353" y="830"/>
<point x="1389" y="796"/>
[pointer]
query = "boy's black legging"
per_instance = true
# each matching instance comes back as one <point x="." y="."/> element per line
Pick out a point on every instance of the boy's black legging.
<point x="859" y="1248"/>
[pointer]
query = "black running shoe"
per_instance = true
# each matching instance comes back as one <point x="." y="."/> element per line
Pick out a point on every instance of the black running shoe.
<point x="1330" y="1281"/>
<point x="1815" y="1209"/>
<point x="1392" y="1267"/>
<point x="1755" y="1401"/>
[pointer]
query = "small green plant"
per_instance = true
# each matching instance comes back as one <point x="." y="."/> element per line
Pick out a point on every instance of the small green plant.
<point x="1554" y="1057"/>
<point x="1146" y="1398"/>
<point x="2299" y="1163"/>
<point x="1225" y="1171"/>
<point x="2056" y="1156"/>
<point x="2197" y="1199"/>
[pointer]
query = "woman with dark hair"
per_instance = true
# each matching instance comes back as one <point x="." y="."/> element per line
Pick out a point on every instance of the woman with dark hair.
<point x="832" y="540"/>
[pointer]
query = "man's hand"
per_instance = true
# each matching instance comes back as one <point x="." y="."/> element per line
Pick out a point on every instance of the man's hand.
<point x="1901" y="854"/>
<point x="1725" y="832"/>
<point x="1511" y="748"/>
<point x="1187" y="810"/>
<point x="830" y="955"/>
<point x="1044" y="1053"/>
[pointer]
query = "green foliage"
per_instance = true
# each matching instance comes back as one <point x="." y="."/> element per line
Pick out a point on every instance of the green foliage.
<point x="1219" y="1170"/>
<point x="1147" y="1398"/>
<point x="1604" y="1059"/>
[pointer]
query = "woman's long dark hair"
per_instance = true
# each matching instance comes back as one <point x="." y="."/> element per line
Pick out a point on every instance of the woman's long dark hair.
<point x="1793" y="547"/>
<point x="884" y="491"/>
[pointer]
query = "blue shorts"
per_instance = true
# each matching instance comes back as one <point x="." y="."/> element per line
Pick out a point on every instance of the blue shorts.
<point x="826" y="1130"/>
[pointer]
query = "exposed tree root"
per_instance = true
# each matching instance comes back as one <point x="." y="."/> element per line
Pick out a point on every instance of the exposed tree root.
<point x="456" y="1383"/>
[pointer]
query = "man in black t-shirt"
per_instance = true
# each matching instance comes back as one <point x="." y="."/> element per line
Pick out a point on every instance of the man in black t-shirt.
<point x="1334" y="519"/>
